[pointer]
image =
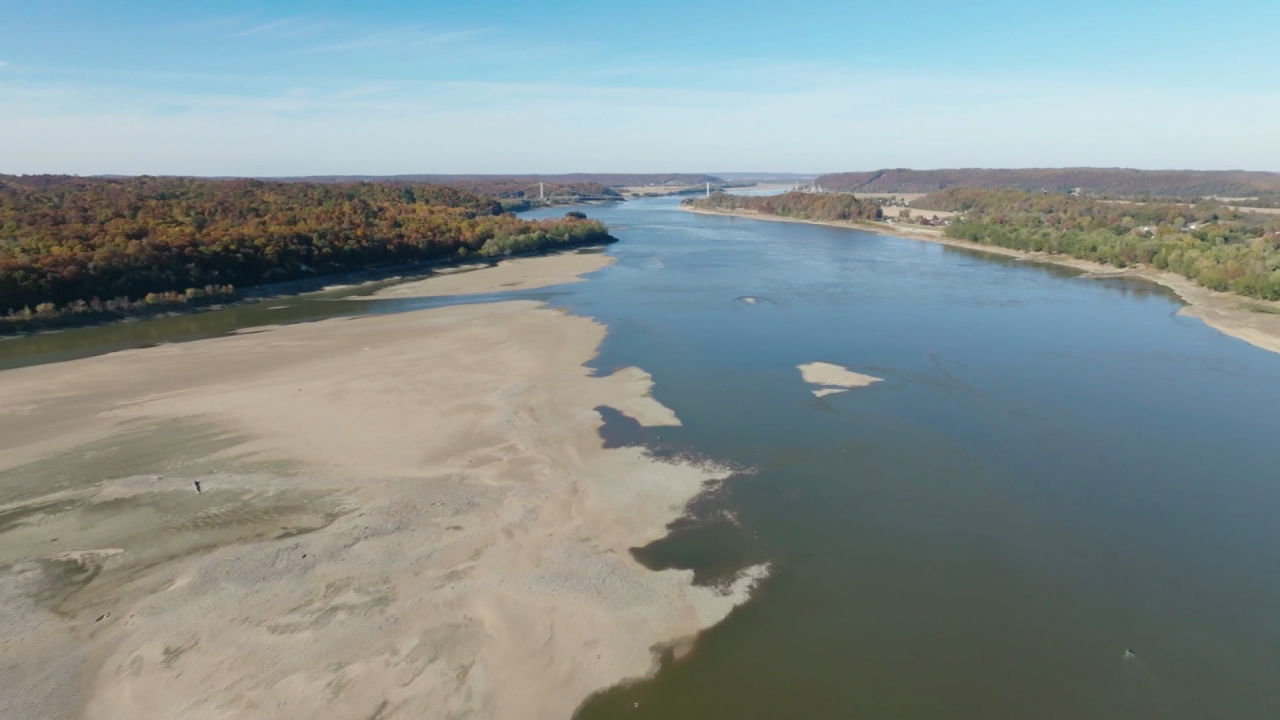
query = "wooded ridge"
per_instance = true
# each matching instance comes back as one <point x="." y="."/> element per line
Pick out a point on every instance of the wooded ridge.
<point x="73" y="245"/>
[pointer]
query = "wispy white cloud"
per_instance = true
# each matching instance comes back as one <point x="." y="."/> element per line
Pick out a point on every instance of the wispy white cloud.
<point x="369" y="90"/>
<point x="325" y="45"/>
<point x="784" y="115"/>
<point x="399" y="38"/>
<point x="323" y="35"/>
<point x="4" y="64"/>
<point x="284" y="28"/>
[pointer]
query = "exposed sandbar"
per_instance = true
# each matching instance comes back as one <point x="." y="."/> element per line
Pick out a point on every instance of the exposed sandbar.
<point x="406" y="515"/>
<point x="522" y="273"/>
<point x="834" y="378"/>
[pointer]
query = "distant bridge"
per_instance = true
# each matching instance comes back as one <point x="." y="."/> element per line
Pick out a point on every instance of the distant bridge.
<point x="542" y="188"/>
<point x="547" y="192"/>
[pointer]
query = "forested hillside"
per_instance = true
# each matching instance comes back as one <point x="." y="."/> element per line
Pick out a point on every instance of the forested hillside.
<point x="835" y="207"/>
<point x="1219" y="248"/>
<point x="610" y="180"/>
<point x="519" y="188"/>
<point x="75" y="245"/>
<point x="1099" y="182"/>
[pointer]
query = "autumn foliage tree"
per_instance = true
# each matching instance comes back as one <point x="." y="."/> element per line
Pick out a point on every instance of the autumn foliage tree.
<point x="1217" y="246"/>
<point x="67" y="242"/>
<point x="832" y="207"/>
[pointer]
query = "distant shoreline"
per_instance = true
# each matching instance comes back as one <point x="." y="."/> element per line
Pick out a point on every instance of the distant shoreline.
<point x="1256" y="322"/>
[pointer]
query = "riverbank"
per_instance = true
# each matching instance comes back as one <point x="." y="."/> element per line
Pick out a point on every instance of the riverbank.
<point x="410" y="513"/>
<point x="1257" y="322"/>
<point x="526" y="273"/>
<point x="424" y="270"/>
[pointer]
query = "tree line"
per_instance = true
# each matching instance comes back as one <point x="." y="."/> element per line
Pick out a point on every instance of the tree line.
<point x="1116" y="183"/>
<point x="608" y="180"/>
<point x="834" y="207"/>
<point x="70" y="244"/>
<point x="1218" y="247"/>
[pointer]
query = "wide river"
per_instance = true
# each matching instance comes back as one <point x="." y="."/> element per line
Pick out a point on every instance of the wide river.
<point x="1062" y="502"/>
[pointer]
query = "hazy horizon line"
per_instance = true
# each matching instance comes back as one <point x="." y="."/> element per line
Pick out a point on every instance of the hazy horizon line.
<point x="744" y="174"/>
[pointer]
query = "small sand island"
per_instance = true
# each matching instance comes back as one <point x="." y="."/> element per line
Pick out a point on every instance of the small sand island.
<point x="833" y="378"/>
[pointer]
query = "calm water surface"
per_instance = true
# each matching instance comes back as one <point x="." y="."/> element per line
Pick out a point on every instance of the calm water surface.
<point x="1055" y="470"/>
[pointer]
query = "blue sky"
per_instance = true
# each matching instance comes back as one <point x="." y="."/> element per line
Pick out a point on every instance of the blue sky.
<point x="278" y="87"/>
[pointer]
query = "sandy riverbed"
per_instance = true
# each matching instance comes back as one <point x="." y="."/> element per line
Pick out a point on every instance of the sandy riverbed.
<point x="406" y="515"/>
<point x="1257" y="322"/>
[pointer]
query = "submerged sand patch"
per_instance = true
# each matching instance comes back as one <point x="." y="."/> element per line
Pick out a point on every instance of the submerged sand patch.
<point x="834" y="378"/>
<point x="402" y="515"/>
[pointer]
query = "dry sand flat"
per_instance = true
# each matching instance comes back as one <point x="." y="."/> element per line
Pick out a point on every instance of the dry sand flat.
<point x="523" y="273"/>
<point x="403" y="516"/>
<point x="834" y="378"/>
